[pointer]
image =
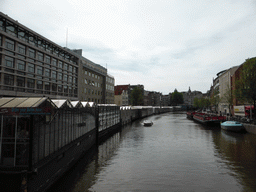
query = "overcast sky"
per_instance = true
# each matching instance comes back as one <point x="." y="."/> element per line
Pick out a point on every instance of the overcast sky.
<point x="162" y="44"/>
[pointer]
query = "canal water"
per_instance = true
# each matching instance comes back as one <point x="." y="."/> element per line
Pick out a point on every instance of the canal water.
<point x="175" y="154"/>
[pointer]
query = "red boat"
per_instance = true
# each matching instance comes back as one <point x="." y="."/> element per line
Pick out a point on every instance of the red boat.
<point x="206" y="118"/>
<point x="190" y="114"/>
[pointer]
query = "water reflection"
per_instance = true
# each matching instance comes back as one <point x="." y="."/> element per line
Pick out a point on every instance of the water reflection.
<point x="175" y="154"/>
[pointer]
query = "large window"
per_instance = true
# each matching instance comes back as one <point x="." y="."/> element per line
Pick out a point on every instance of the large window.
<point x="47" y="59"/>
<point x="21" y="65"/>
<point x="9" y="44"/>
<point x="47" y="86"/>
<point x="65" y="78"/>
<point x="8" y="79"/>
<point x="31" y="53"/>
<point x="47" y="72"/>
<point x="30" y="83"/>
<point x="39" y="70"/>
<point x="21" y="49"/>
<point x="9" y="62"/>
<point x="54" y="74"/>
<point x="31" y="68"/>
<point x="20" y="81"/>
<point x="40" y="56"/>
<point x="60" y="76"/>
<point x="39" y="84"/>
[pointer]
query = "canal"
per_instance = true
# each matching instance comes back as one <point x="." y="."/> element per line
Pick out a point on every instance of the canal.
<point x="175" y="154"/>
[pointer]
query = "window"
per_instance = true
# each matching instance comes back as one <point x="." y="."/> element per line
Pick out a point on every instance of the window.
<point x="31" y="68"/>
<point x="9" y="44"/>
<point x="85" y="72"/>
<point x="47" y="72"/>
<point x="21" y="49"/>
<point x="21" y="65"/>
<point x="8" y="79"/>
<point x="54" y="74"/>
<point x="39" y="70"/>
<point x="54" y="62"/>
<point x="39" y="84"/>
<point x="84" y="90"/>
<point x="31" y="53"/>
<point x="60" y="88"/>
<point x="40" y="56"/>
<point x="9" y="61"/>
<point x="30" y="83"/>
<point x="65" y="66"/>
<point x="70" y="68"/>
<point x="65" y="78"/>
<point x="47" y="59"/>
<point x="60" y="64"/>
<point x="20" y="81"/>
<point x="47" y="86"/>
<point x="21" y="35"/>
<point x="65" y="89"/>
<point x="85" y="81"/>
<point x="54" y="87"/>
<point x="60" y="76"/>
<point x="70" y="79"/>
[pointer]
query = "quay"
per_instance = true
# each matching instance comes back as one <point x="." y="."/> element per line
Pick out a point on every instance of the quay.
<point x="41" y="138"/>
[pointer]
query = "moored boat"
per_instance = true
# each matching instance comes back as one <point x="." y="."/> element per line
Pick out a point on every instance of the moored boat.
<point x="190" y="114"/>
<point x="147" y="123"/>
<point x="206" y="118"/>
<point x="234" y="126"/>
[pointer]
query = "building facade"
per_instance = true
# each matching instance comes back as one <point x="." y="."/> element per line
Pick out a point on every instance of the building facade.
<point x="189" y="96"/>
<point x="122" y="95"/>
<point x="109" y="89"/>
<point x="32" y="65"/>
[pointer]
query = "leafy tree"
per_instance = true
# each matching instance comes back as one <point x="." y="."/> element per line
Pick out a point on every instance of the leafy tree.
<point x="137" y="96"/>
<point x="228" y="97"/>
<point x="196" y="102"/>
<point x="177" y="98"/>
<point x="202" y="102"/>
<point x="215" y="99"/>
<point x="246" y="85"/>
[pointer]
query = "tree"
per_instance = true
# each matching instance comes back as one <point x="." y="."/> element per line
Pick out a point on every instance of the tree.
<point x="136" y="96"/>
<point x="228" y="97"/>
<point x="215" y="99"/>
<point x="246" y="86"/>
<point x="177" y="98"/>
<point x="202" y="102"/>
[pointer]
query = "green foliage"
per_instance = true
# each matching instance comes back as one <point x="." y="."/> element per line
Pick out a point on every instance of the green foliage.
<point x="176" y="98"/>
<point x="215" y="99"/>
<point x="201" y="103"/>
<point x="137" y="96"/>
<point x="228" y="97"/>
<point x="246" y="86"/>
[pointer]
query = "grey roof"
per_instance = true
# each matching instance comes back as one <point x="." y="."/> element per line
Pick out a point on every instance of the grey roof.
<point x="21" y="102"/>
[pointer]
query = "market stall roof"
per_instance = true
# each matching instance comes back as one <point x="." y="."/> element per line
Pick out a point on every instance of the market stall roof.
<point x="76" y="104"/>
<point x="85" y="104"/>
<point x="20" y="102"/>
<point x="62" y="103"/>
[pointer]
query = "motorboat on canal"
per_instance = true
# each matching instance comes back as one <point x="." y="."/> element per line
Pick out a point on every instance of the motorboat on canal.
<point x="147" y="123"/>
<point x="234" y="126"/>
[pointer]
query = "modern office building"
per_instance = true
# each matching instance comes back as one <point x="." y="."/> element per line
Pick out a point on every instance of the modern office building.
<point x="110" y="89"/>
<point x="32" y="65"/>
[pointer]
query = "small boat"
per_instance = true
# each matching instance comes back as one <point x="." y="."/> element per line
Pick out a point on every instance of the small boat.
<point x="147" y="123"/>
<point x="232" y="126"/>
